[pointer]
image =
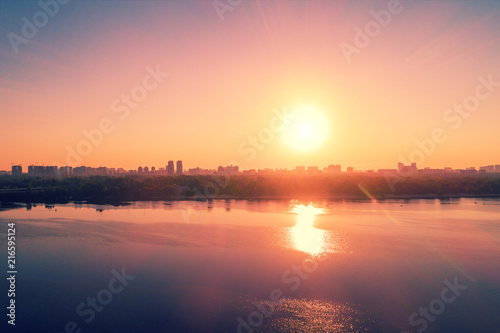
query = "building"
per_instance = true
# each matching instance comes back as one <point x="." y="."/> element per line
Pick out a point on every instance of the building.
<point x="449" y="170"/>
<point x="232" y="169"/>
<point x="266" y="171"/>
<point x="350" y="170"/>
<point x="179" y="167"/>
<point x="52" y="170"/>
<point x="429" y="171"/>
<point x="284" y="171"/>
<point x="199" y="171"/>
<point x="497" y="168"/>
<point x="334" y="168"/>
<point x="80" y="171"/>
<point x="407" y="169"/>
<point x="101" y="171"/>
<point x="385" y="171"/>
<point x="39" y="170"/>
<point x="229" y="170"/>
<point x="17" y="170"/>
<point x="300" y="170"/>
<point x="66" y="171"/>
<point x="139" y="169"/>
<point x="488" y="169"/>
<point x="170" y="168"/>
<point x="313" y="170"/>
<point x="194" y="172"/>
<point x="468" y="172"/>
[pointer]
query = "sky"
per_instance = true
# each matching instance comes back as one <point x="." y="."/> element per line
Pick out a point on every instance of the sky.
<point x="261" y="84"/>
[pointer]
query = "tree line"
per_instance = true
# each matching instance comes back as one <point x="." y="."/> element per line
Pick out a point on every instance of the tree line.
<point x="128" y="188"/>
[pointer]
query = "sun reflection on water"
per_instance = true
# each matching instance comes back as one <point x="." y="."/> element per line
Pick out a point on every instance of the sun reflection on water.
<point x="305" y="237"/>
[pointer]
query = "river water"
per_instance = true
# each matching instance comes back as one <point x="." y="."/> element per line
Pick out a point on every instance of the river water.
<point x="257" y="266"/>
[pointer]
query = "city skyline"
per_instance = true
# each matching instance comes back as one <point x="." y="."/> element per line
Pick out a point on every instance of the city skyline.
<point x="170" y="170"/>
<point x="365" y="166"/>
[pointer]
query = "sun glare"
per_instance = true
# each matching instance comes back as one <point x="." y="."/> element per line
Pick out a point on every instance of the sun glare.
<point x="307" y="130"/>
<point x="305" y="236"/>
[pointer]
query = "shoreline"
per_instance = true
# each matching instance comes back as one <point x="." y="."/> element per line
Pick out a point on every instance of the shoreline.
<point x="7" y="204"/>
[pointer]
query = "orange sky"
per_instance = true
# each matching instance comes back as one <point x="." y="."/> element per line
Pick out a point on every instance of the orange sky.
<point x="226" y="78"/>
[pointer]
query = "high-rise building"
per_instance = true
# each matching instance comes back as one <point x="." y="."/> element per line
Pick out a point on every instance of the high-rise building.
<point x="334" y="168"/>
<point x="170" y="168"/>
<point x="228" y="170"/>
<point x="80" y="171"/>
<point x="17" y="170"/>
<point x="49" y="170"/>
<point x="66" y="171"/>
<point x="52" y="170"/>
<point x="300" y="170"/>
<point x="102" y="171"/>
<point x="179" y="167"/>
<point x="313" y="170"/>
<point x="407" y="169"/>
<point x="39" y="170"/>
<point x="468" y="172"/>
<point x="488" y="168"/>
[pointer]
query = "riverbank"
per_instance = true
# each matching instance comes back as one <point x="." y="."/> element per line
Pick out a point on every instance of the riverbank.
<point x="7" y="205"/>
<point x="117" y="190"/>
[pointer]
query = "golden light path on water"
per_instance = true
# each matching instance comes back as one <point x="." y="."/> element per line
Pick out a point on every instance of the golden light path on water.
<point x="305" y="237"/>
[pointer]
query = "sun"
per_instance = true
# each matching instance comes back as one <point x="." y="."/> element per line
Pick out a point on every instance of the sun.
<point x="307" y="130"/>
